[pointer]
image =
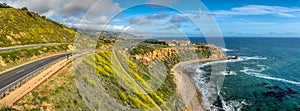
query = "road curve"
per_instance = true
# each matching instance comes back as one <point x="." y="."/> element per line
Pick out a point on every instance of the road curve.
<point x="12" y="76"/>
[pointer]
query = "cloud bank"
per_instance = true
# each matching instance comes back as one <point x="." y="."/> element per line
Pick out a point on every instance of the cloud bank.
<point x="259" y="10"/>
<point x="70" y="12"/>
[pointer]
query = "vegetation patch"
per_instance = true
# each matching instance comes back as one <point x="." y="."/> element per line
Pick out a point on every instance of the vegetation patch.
<point x="22" y="27"/>
<point x="58" y="93"/>
<point x="16" y="57"/>
<point x="137" y="74"/>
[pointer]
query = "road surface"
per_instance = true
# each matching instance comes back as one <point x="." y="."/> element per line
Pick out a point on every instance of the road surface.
<point x="12" y="77"/>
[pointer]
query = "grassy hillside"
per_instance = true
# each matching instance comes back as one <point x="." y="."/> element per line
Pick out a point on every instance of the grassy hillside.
<point x="121" y="75"/>
<point x="133" y="80"/>
<point x="125" y="75"/>
<point x="105" y="72"/>
<point x="20" y="27"/>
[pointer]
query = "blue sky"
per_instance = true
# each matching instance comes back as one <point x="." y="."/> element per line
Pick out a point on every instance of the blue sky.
<point x="271" y="24"/>
<point x="235" y="18"/>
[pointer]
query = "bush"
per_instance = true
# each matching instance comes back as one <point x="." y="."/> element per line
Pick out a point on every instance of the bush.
<point x="24" y="8"/>
<point x="30" y="14"/>
<point x="44" y="17"/>
<point x="4" y="5"/>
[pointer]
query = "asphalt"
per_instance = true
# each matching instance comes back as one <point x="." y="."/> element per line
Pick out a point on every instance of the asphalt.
<point x="9" y="77"/>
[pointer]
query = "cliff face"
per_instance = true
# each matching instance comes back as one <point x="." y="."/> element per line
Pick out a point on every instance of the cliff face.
<point x="217" y="53"/>
<point x="159" y="54"/>
<point x="182" y="53"/>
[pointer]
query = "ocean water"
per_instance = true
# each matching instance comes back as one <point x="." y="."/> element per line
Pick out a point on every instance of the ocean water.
<point x="266" y="77"/>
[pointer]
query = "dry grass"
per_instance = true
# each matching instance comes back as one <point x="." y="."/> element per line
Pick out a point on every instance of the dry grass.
<point x="58" y="93"/>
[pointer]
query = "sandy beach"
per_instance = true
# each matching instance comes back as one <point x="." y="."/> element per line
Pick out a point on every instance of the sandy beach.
<point x="190" y="95"/>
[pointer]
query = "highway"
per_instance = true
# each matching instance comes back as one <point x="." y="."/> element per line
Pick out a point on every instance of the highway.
<point x="12" y="77"/>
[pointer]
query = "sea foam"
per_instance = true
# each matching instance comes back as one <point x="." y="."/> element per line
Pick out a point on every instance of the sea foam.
<point x="257" y="73"/>
<point x="241" y="58"/>
<point x="226" y="50"/>
<point x="209" y="90"/>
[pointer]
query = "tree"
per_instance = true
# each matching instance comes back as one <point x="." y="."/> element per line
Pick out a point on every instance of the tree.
<point x="25" y="9"/>
<point x="4" y="5"/>
<point x="44" y="17"/>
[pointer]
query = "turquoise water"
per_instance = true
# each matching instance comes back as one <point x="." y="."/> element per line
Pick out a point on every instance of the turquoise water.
<point x="266" y="78"/>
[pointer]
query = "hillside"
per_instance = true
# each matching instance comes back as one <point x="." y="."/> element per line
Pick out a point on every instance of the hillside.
<point x="22" y="27"/>
<point x="125" y="77"/>
<point x="120" y="86"/>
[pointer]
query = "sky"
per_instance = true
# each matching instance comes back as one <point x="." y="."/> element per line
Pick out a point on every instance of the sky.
<point x="175" y="18"/>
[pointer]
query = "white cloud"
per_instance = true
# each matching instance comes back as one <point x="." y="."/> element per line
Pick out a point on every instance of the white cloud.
<point x="96" y="25"/>
<point x="141" y="20"/>
<point x="177" y="19"/>
<point x="163" y="2"/>
<point x="260" y="10"/>
<point x="71" y="12"/>
<point x="117" y="28"/>
<point x="66" y="8"/>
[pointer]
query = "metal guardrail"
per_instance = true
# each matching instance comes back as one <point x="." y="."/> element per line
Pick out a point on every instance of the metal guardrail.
<point x="5" y="91"/>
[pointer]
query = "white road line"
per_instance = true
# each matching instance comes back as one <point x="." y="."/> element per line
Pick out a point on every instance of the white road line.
<point x="20" y="71"/>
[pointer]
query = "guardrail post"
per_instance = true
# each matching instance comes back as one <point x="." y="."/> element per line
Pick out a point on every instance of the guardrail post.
<point x="2" y="95"/>
<point x="6" y="93"/>
<point x="12" y="88"/>
<point x="23" y="82"/>
<point x="19" y="84"/>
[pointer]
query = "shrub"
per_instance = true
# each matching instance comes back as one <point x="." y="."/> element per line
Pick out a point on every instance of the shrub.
<point x="4" y="5"/>
<point x="24" y="8"/>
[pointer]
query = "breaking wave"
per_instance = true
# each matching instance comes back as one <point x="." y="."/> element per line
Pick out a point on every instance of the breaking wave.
<point x="242" y="58"/>
<point x="257" y="73"/>
<point x="208" y="88"/>
<point x="226" y="50"/>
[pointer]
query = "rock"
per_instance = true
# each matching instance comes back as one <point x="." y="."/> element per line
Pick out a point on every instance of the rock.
<point x="275" y="88"/>
<point x="290" y="91"/>
<point x="279" y="93"/>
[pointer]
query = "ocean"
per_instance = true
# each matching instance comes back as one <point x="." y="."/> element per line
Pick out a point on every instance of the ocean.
<point x="266" y="77"/>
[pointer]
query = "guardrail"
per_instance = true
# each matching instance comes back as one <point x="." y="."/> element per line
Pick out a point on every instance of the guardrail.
<point x="12" y="86"/>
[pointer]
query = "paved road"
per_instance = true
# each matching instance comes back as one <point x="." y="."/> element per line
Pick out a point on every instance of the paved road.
<point x="10" y="77"/>
<point x="28" y="46"/>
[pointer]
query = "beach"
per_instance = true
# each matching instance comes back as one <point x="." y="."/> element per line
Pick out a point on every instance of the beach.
<point x="186" y="88"/>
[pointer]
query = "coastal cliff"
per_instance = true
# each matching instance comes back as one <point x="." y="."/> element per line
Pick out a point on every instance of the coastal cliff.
<point x="177" y="91"/>
<point x="192" y="98"/>
<point x="181" y="53"/>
